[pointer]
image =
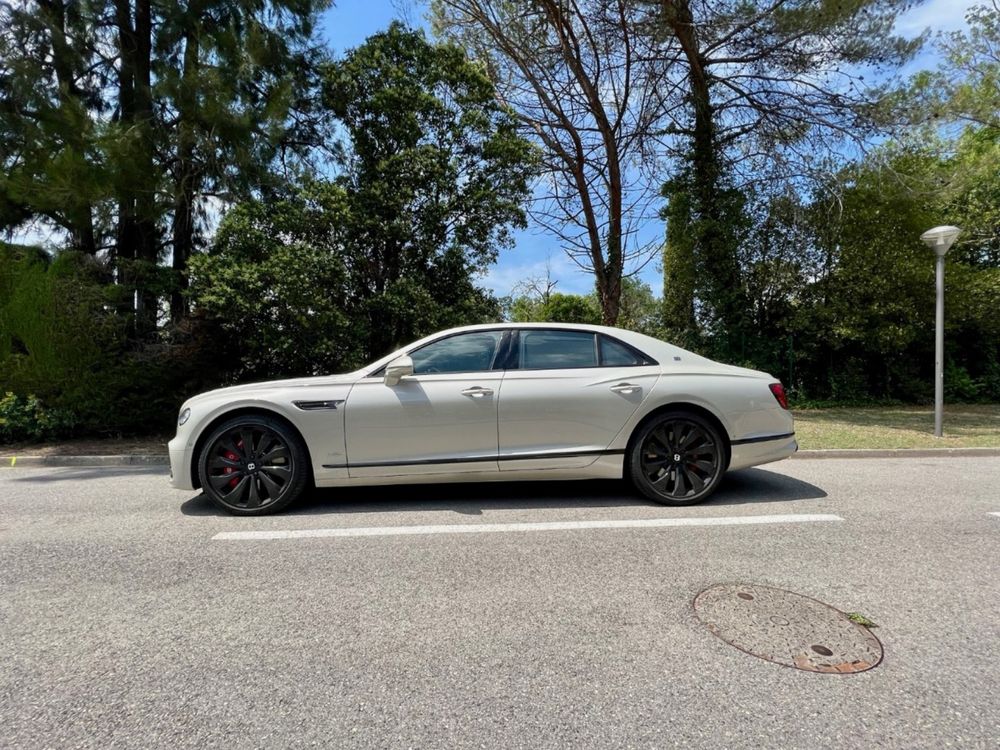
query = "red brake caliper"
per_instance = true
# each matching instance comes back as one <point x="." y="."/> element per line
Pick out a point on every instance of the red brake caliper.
<point x="229" y="469"/>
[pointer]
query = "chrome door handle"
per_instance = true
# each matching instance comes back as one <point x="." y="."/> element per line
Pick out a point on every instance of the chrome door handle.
<point x="477" y="391"/>
<point x="625" y="388"/>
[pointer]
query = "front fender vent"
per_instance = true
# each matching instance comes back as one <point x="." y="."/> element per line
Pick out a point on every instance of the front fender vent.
<point x="318" y="405"/>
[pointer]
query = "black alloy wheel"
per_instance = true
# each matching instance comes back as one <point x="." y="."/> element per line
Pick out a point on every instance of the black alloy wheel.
<point x="677" y="458"/>
<point x="253" y="465"/>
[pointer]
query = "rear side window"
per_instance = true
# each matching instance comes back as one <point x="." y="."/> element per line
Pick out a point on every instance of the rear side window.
<point x="616" y="354"/>
<point x="554" y="350"/>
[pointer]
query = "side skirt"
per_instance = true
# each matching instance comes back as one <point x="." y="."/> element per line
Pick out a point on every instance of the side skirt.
<point x="475" y="459"/>
<point x="605" y="467"/>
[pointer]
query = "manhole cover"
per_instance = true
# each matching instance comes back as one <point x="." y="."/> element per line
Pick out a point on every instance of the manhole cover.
<point x="787" y="628"/>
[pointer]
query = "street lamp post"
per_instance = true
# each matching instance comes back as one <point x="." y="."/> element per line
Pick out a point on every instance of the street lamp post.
<point x="940" y="240"/>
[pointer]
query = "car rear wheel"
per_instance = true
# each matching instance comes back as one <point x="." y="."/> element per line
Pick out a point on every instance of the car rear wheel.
<point x="253" y="465"/>
<point x="677" y="458"/>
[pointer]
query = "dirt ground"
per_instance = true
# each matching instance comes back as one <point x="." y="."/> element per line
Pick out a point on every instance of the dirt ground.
<point x="145" y="446"/>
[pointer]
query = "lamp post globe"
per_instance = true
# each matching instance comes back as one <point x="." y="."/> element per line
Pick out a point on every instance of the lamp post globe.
<point x="940" y="240"/>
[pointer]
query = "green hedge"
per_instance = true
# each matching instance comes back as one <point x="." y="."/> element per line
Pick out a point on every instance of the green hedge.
<point x="69" y="361"/>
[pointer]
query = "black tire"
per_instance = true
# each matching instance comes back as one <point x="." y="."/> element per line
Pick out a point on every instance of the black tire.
<point x="677" y="458"/>
<point x="265" y="478"/>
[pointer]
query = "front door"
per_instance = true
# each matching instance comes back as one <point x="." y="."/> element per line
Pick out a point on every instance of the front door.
<point x="440" y="420"/>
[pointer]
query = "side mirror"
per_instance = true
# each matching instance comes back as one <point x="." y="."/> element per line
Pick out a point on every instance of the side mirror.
<point x="398" y="369"/>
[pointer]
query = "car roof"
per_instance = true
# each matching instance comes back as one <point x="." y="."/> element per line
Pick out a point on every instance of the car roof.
<point x="659" y="350"/>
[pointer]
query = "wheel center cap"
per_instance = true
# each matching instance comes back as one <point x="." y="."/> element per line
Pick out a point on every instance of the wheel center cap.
<point x="251" y="467"/>
<point x="677" y="458"/>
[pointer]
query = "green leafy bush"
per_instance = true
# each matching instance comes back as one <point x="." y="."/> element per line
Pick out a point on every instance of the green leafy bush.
<point x="959" y="386"/>
<point x="64" y="339"/>
<point x="24" y="419"/>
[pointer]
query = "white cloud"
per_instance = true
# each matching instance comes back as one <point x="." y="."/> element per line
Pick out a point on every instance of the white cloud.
<point x="936" y="15"/>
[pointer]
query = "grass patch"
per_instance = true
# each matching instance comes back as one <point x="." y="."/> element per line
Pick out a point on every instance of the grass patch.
<point x="973" y="426"/>
<point x="860" y="619"/>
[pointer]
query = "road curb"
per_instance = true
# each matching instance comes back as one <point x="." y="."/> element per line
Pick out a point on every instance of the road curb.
<point x="85" y="461"/>
<point x="897" y="453"/>
<point x="164" y="460"/>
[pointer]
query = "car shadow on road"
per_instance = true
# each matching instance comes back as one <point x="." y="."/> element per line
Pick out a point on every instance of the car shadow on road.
<point x="737" y="488"/>
<point x="72" y="474"/>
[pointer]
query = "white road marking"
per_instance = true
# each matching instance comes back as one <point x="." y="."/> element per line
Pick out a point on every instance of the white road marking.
<point x="495" y="528"/>
<point x="993" y="513"/>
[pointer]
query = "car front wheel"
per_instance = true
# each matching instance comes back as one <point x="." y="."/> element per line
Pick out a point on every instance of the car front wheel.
<point x="253" y="465"/>
<point x="677" y="458"/>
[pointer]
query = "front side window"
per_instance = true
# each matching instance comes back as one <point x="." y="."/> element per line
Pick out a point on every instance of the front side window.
<point x="554" y="350"/>
<point x="466" y="352"/>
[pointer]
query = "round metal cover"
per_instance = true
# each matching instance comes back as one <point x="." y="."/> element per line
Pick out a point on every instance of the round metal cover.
<point x="787" y="628"/>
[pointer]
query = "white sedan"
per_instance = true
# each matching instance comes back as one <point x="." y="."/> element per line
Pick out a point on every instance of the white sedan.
<point x="488" y="403"/>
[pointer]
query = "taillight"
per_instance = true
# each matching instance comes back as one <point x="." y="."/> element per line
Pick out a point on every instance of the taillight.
<point x="779" y="394"/>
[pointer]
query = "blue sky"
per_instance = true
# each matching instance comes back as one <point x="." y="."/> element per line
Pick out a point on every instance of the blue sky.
<point x="536" y="252"/>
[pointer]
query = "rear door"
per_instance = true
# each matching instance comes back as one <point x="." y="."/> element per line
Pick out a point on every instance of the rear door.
<point x="566" y="395"/>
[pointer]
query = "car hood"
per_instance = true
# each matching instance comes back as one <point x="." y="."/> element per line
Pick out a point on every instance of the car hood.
<point x="249" y="390"/>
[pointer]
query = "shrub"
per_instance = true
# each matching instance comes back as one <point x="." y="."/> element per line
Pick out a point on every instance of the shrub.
<point x="65" y="340"/>
<point x="24" y="419"/>
<point x="959" y="386"/>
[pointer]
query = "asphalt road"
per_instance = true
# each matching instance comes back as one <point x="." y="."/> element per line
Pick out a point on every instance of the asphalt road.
<point x="124" y="623"/>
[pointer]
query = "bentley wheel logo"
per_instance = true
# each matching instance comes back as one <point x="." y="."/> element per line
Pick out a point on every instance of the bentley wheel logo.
<point x="251" y="467"/>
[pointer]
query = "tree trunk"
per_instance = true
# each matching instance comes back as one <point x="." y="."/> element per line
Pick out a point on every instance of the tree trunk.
<point x="187" y="178"/>
<point x="609" y="292"/>
<point x="125" y="232"/>
<point x="714" y="253"/>
<point x="146" y="195"/>
<point x="679" y="275"/>
<point x="611" y="260"/>
<point x="137" y="242"/>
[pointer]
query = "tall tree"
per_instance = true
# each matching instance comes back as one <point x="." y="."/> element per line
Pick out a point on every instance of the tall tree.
<point x="275" y="280"/>
<point x="435" y="179"/>
<point x="578" y="76"/>
<point x="235" y="85"/>
<point x="121" y="119"/>
<point x="963" y="95"/>
<point x="137" y="246"/>
<point x="766" y="87"/>
<point x="48" y="92"/>
<point x="966" y="84"/>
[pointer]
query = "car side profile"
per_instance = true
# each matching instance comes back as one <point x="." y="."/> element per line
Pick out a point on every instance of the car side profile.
<point x="511" y="401"/>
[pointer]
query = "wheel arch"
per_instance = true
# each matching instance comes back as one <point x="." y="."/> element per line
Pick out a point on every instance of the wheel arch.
<point x="240" y="411"/>
<point x="687" y="406"/>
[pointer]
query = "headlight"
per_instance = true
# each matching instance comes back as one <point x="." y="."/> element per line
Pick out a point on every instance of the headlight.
<point x="184" y="416"/>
